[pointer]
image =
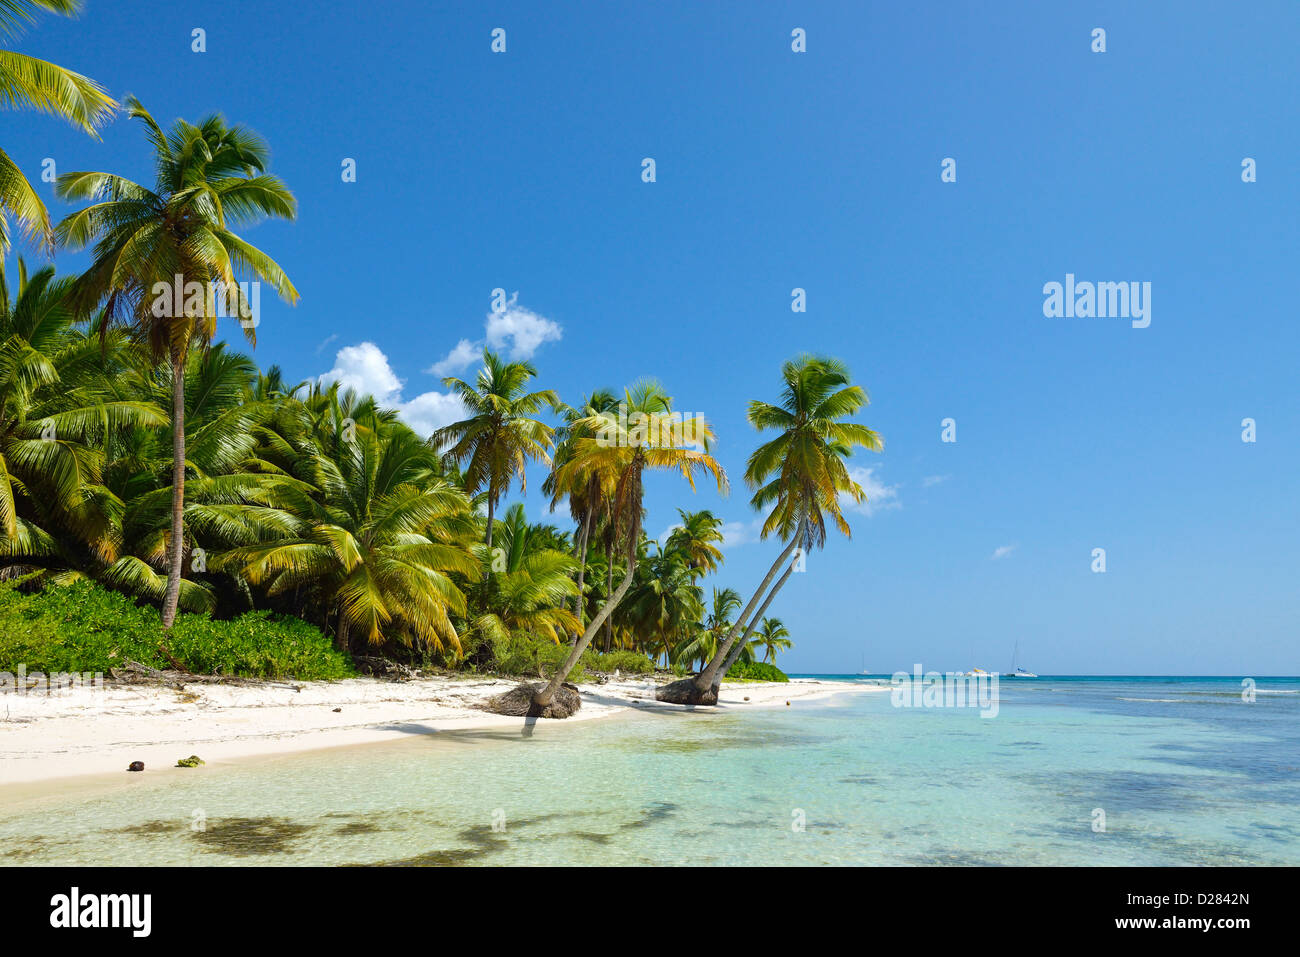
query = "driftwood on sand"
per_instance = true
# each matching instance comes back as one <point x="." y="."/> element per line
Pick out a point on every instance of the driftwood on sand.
<point x="132" y="672"/>
<point x="518" y="702"/>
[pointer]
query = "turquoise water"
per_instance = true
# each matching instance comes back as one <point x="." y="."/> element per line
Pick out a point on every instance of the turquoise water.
<point x="1184" y="770"/>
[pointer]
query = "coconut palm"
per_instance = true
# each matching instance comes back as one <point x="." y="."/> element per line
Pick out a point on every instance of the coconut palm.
<point x="377" y="546"/>
<point x="58" y="410"/>
<point x="499" y="439"/>
<point x="36" y="84"/>
<point x="158" y="253"/>
<point x="590" y="493"/>
<point x="697" y="539"/>
<point x="664" y="601"/>
<point x="800" y="476"/>
<point x="772" y="637"/>
<point x="528" y="585"/>
<point x="618" y="445"/>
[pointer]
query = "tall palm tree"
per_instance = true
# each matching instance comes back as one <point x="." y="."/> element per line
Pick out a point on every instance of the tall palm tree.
<point x="772" y="637"/>
<point x="800" y="475"/>
<point x="28" y="82"/>
<point x="150" y="243"/>
<point x="589" y="493"/>
<point x="501" y="436"/>
<point x="617" y="446"/>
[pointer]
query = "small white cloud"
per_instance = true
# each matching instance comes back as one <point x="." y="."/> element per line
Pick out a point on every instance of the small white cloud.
<point x="932" y="480"/>
<point x="365" y="367"/>
<point x="515" y="330"/>
<point x="1002" y="551"/>
<point x="879" y="495"/>
<point x="456" y="360"/>
<point x="520" y="330"/>
<point x="328" y="339"/>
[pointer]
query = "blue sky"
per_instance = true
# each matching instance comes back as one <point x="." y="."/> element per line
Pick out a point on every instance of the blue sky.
<point x="818" y="170"/>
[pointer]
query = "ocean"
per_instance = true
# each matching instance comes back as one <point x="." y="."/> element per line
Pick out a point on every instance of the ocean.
<point x="1071" y="771"/>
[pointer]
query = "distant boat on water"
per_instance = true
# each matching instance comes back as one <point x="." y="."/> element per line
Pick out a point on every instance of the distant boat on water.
<point x="1016" y="671"/>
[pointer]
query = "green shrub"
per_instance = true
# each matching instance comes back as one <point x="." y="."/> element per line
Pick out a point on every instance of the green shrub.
<point x="756" y="671"/>
<point x="82" y="627"/>
<point x="627" y="662"/>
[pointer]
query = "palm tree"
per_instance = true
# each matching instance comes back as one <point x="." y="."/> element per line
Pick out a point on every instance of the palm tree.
<point x="377" y="545"/>
<point x="772" y="637"/>
<point x="530" y="588"/>
<point x="177" y="237"/>
<point x="58" y="409"/>
<point x="28" y="82"/>
<point x="664" y="601"/>
<point x="702" y="645"/>
<point x="697" y="540"/>
<point x="617" y="446"/>
<point x="589" y="493"/>
<point x="500" y="437"/>
<point x="801" y="476"/>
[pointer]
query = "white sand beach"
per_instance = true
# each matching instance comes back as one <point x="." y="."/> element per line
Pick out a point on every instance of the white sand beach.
<point x="82" y="732"/>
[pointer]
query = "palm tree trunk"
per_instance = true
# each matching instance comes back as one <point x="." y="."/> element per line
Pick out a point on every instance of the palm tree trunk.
<point x="341" y="635"/>
<point x="176" y="547"/>
<point x="578" y="603"/>
<point x="744" y="641"/>
<point x="543" y="698"/>
<point x="609" y="590"/>
<point x="492" y="507"/>
<point x="707" y="677"/>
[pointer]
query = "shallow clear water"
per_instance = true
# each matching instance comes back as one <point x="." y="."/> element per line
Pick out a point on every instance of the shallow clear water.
<point x="1185" y="771"/>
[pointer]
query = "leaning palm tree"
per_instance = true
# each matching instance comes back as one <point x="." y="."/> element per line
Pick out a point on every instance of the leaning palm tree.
<point x="501" y="436"/>
<point x="800" y="475"/>
<point x="28" y="82"/>
<point x="619" y="445"/>
<point x="160" y="253"/>
<point x="772" y="637"/>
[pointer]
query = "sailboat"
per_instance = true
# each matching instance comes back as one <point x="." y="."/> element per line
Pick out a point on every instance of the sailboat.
<point x="1016" y="671"/>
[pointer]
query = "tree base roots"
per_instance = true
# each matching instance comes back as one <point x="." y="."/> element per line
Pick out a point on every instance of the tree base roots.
<point x="685" y="692"/>
<point x="520" y="702"/>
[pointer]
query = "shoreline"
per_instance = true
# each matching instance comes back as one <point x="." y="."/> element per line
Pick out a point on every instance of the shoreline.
<point x="86" y="734"/>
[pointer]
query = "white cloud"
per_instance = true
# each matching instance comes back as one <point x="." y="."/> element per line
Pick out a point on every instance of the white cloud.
<point x="364" y="367"/>
<point x="459" y="357"/>
<point x="1002" y="551"/>
<point x="325" y="342"/>
<point x="931" y="480"/>
<point x="514" y="329"/>
<point x="879" y="495"/>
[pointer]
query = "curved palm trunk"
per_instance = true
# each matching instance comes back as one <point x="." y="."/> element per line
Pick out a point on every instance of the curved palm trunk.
<point x="744" y="641"/>
<point x="708" y="677"/>
<point x="543" y="697"/>
<point x="176" y="547"/>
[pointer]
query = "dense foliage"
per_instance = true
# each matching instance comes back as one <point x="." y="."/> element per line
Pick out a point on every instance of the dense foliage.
<point x="84" y="628"/>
